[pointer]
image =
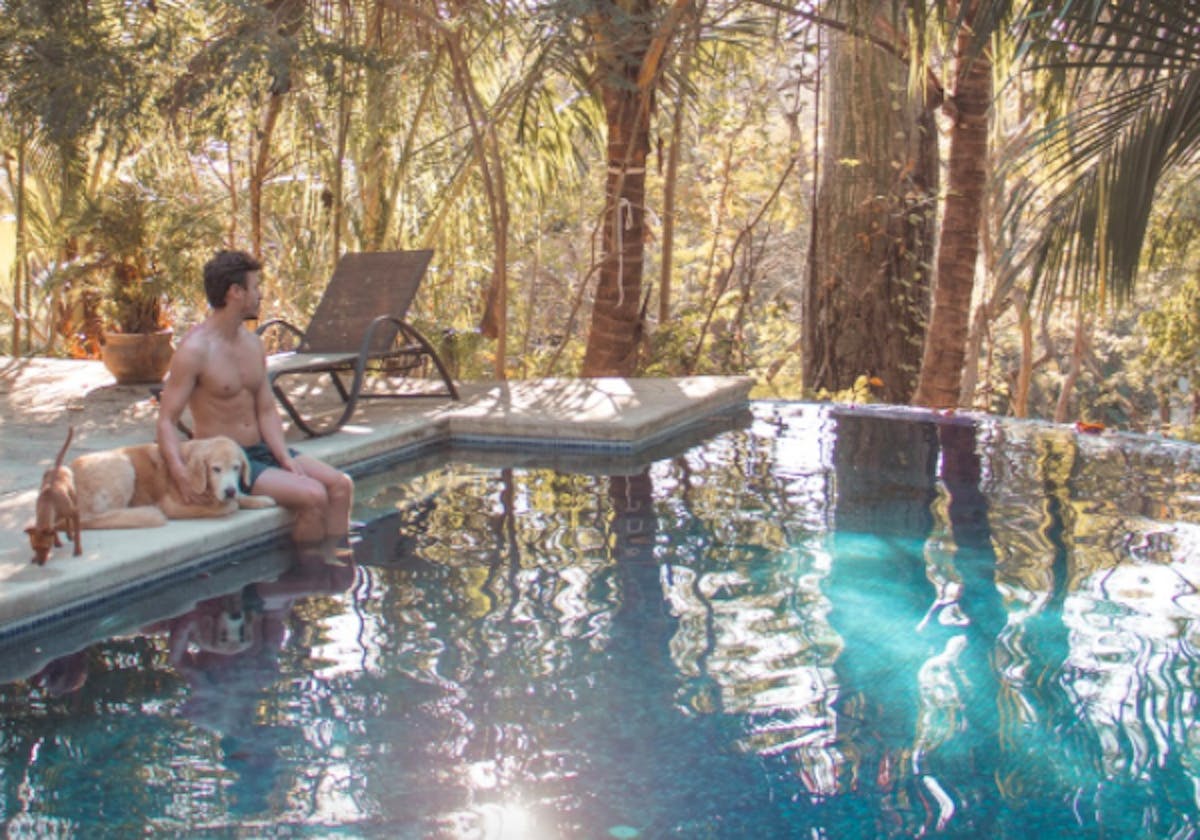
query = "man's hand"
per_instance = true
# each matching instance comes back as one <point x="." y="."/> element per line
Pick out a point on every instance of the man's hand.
<point x="292" y="466"/>
<point x="183" y="484"/>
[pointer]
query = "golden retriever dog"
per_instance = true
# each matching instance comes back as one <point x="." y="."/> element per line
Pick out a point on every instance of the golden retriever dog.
<point x="130" y="487"/>
<point x="56" y="509"/>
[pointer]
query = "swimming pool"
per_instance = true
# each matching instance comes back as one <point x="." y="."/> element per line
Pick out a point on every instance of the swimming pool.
<point x="828" y="623"/>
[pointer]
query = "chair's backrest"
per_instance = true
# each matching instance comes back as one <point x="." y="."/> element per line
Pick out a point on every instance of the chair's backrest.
<point x="363" y="287"/>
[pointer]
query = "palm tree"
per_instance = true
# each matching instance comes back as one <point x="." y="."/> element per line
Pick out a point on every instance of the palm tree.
<point x="629" y="40"/>
<point x="958" y="250"/>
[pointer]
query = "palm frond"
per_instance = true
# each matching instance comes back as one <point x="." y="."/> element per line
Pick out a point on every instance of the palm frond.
<point x="1122" y="87"/>
<point x="1105" y="179"/>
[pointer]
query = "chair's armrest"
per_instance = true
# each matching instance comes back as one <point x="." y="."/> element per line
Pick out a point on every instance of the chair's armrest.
<point x="286" y="327"/>
<point x="282" y="324"/>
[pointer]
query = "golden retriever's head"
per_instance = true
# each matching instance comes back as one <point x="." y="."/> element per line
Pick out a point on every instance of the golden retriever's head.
<point x="217" y="467"/>
<point x="229" y="630"/>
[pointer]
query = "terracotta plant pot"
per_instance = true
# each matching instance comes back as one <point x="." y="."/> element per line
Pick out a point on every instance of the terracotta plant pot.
<point x="137" y="358"/>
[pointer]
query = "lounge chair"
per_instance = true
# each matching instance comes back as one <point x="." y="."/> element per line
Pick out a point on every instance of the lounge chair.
<point x="359" y="329"/>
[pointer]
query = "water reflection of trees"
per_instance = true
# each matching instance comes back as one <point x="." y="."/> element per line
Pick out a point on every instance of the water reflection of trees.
<point x="949" y="646"/>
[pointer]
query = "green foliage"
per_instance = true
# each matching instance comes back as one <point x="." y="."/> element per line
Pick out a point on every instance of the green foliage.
<point x="1173" y="332"/>
<point x="143" y="251"/>
<point x="864" y="390"/>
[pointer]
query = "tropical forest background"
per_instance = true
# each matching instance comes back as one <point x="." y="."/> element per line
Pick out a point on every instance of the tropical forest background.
<point x="986" y="205"/>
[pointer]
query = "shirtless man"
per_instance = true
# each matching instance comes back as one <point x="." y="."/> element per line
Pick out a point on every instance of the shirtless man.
<point x="219" y="371"/>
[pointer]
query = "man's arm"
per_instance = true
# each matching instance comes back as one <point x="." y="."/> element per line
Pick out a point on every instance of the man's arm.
<point x="181" y="382"/>
<point x="270" y="425"/>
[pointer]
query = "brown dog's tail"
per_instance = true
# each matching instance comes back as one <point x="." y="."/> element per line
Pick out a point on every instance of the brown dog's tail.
<point x="62" y="453"/>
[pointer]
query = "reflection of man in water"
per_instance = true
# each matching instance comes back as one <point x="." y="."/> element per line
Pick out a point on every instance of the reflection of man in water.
<point x="226" y="648"/>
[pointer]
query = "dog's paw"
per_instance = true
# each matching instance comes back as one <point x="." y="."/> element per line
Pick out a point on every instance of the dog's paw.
<point x="255" y="502"/>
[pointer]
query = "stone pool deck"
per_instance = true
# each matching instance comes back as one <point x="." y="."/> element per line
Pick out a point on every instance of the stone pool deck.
<point x="613" y="423"/>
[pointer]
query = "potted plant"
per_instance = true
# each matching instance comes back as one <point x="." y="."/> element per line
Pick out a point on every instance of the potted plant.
<point x="142" y="253"/>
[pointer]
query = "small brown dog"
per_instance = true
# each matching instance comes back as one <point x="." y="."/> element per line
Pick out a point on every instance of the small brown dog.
<point x="57" y="509"/>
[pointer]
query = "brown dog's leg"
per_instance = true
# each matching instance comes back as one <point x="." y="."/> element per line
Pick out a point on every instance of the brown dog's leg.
<point x="74" y="523"/>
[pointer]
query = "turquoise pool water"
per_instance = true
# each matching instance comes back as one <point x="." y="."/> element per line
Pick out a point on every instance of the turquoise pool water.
<point x="827" y="623"/>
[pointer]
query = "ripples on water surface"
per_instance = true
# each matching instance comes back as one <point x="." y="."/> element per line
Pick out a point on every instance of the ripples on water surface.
<point x="823" y="624"/>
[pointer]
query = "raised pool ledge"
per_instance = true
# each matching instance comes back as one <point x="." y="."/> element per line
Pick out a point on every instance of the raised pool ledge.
<point x="612" y="419"/>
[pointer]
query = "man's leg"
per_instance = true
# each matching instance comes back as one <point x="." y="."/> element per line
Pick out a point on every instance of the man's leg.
<point x="339" y="492"/>
<point x="302" y="494"/>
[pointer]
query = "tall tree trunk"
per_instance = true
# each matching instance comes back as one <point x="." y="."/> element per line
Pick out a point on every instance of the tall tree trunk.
<point x="615" y="332"/>
<point x="22" y="307"/>
<point x="670" y="182"/>
<point x="867" y="289"/>
<point x="946" y="341"/>
<point x="336" y="194"/>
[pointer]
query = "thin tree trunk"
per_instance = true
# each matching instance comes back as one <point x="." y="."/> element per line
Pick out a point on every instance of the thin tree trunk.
<point x="262" y="164"/>
<point x="1025" y="370"/>
<point x="376" y="202"/>
<point x="970" y="381"/>
<point x="1078" y="347"/>
<point x="491" y="167"/>
<point x="958" y="252"/>
<point x="231" y="185"/>
<point x="337" y="204"/>
<point x="717" y="215"/>
<point x="20" y="302"/>
<point x="531" y="288"/>
<point x="670" y="181"/>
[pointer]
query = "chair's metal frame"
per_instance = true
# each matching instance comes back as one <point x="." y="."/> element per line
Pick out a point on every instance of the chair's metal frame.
<point x="390" y="347"/>
<point x="400" y="360"/>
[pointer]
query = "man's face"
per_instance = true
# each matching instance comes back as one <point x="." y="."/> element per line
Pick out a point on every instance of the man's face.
<point x="251" y="296"/>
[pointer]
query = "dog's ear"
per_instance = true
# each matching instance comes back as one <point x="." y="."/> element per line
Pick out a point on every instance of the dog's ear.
<point x="245" y="468"/>
<point x="198" y="472"/>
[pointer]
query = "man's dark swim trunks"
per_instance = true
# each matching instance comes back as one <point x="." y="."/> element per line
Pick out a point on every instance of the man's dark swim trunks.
<point x="261" y="459"/>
